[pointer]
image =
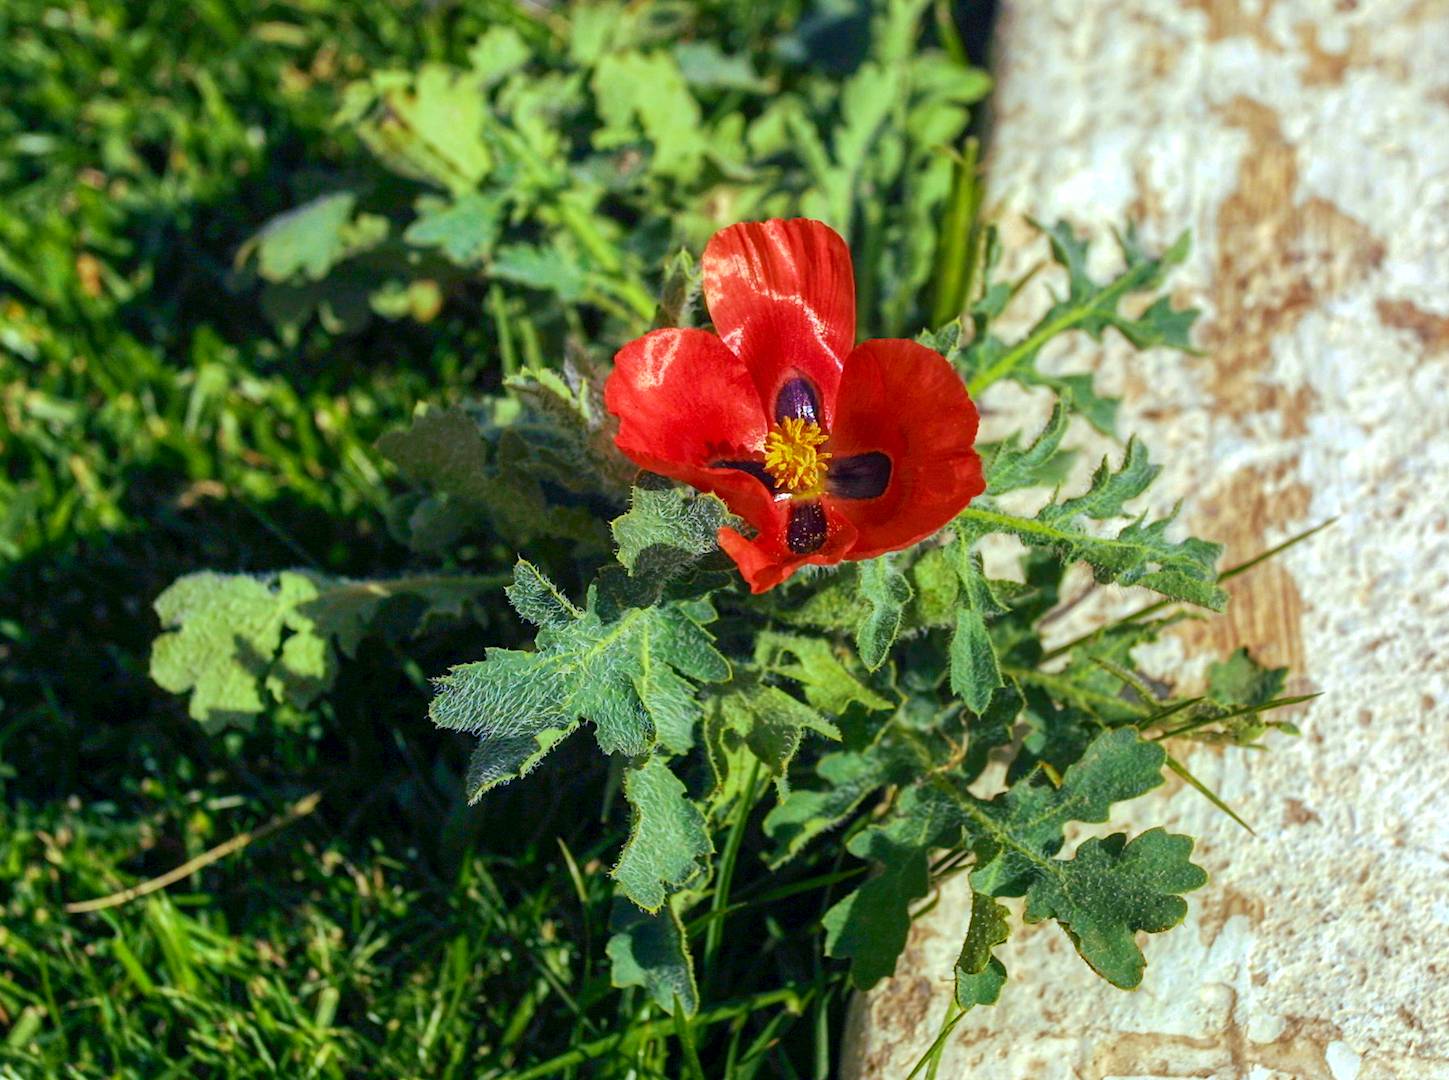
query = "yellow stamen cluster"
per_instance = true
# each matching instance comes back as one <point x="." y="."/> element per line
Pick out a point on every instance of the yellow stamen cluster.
<point x="793" y="457"/>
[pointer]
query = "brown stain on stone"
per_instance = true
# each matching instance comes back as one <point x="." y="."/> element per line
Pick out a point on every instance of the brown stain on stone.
<point x="1432" y="330"/>
<point x="1296" y="813"/>
<point x="1278" y="259"/>
<point x="1229" y="18"/>
<point x="1300" y="1051"/>
<point x="1217" y="906"/>
<point x="1322" y="68"/>
<point x="1265" y="607"/>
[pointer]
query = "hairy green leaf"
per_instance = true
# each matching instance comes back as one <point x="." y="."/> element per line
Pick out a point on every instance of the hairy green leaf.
<point x="975" y="672"/>
<point x="1088" y="305"/>
<point x="851" y="776"/>
<point x="887" y="592"/>
<point x="773" y="724"/>
<point x="1017" y="835"/>
<point x="829" y="685"/>
<point x="233" y="640"/>
<point x="667" y="531"/>
<point x="473" y="484"/>
<point x="1140" y="553"/>
<point x="650" y="951"/>
<point x="625" y="675"/>
<point x="1012" y="468"/>
<point x="669" y="845"/>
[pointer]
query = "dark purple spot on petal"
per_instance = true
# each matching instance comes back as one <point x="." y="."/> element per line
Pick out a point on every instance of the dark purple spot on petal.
<point x="754" y="468"/>
<point x="860" y="476"/>
<point x="797" y="401"/>
<point x="806" y="531"/>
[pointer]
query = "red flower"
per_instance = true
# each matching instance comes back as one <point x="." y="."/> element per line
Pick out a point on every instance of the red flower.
<point x="829" y="449"/>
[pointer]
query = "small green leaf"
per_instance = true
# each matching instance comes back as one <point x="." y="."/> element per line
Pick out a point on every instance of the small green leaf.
<point x="706" y="65"/>
<point x="232" y="636"/>
<point x="538" y="599"/>
<point x="668" y="845"/>
<point x="225" y="630"/>
<point x="650" y="951"/>
<point x="870" y="925"/>
<point x="637" y="92"/>
<point x="937" y="586"/>
<point x="1241" y="680"/>
<point x="427" y="126"/>
<point x="464" y="229"/>
<point x="1110" y="489"/>
<point x="667" y="531"/>
<point x="1089" y="305"/>
<point x="1111" y="890"/>
<point x="975" y="671"/>
<point x="497" y="54"/>
<point x="1012" y="468"/>
<point x="472" y="484"/>
<point x="812" y="662"/>
<point x="444" y="448"/>
<point x="306" y="243"/>
<point x="851" y="776"/>
<point x="773" y="723"/>
<point x="887" y="592"/>
<point x="980" y="975"/>
<point x="550" y="269"/>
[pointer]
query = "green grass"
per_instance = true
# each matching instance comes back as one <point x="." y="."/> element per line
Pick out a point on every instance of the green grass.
<point x="155" y="424"/>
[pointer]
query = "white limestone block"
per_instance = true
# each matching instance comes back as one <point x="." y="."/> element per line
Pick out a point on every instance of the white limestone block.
<point x="1306" y="144"/>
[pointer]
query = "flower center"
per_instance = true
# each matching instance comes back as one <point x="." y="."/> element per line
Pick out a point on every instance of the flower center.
<point x="793" y="458"/>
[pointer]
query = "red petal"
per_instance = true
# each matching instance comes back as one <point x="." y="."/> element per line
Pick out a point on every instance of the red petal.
<point x="765" y="561"/>
<point x="684" y="401"/>
<point x="901" y="398"/>
<point x="782" y="295"/>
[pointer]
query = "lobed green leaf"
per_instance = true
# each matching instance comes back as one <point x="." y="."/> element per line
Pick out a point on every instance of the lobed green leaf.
<point x="626" y="675"/>
<point x="669" y="846"/>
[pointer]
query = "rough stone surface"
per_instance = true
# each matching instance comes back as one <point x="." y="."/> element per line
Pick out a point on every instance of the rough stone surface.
<point x="1307" y="147"/>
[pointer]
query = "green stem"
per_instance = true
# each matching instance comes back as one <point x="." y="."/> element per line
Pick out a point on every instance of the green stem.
<point x="1102" y="303"/>
<point x="1158" y="605"/>
<point x="808" y="885"/>
<point x="596" y="1048"/>
<point x="1094" y="701"/>
<point x="1246" y="710"/>
<point x="398" y="586"/>
<point x="684" y="1032"/>
<point x="506" y="353"/>
<point x="714" y="933"/>
<point x="931" y="1059"/>
<point x="956" y="249"/>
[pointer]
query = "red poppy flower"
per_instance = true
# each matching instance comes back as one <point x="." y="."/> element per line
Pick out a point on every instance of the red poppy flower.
<point x="828" y="449"/>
